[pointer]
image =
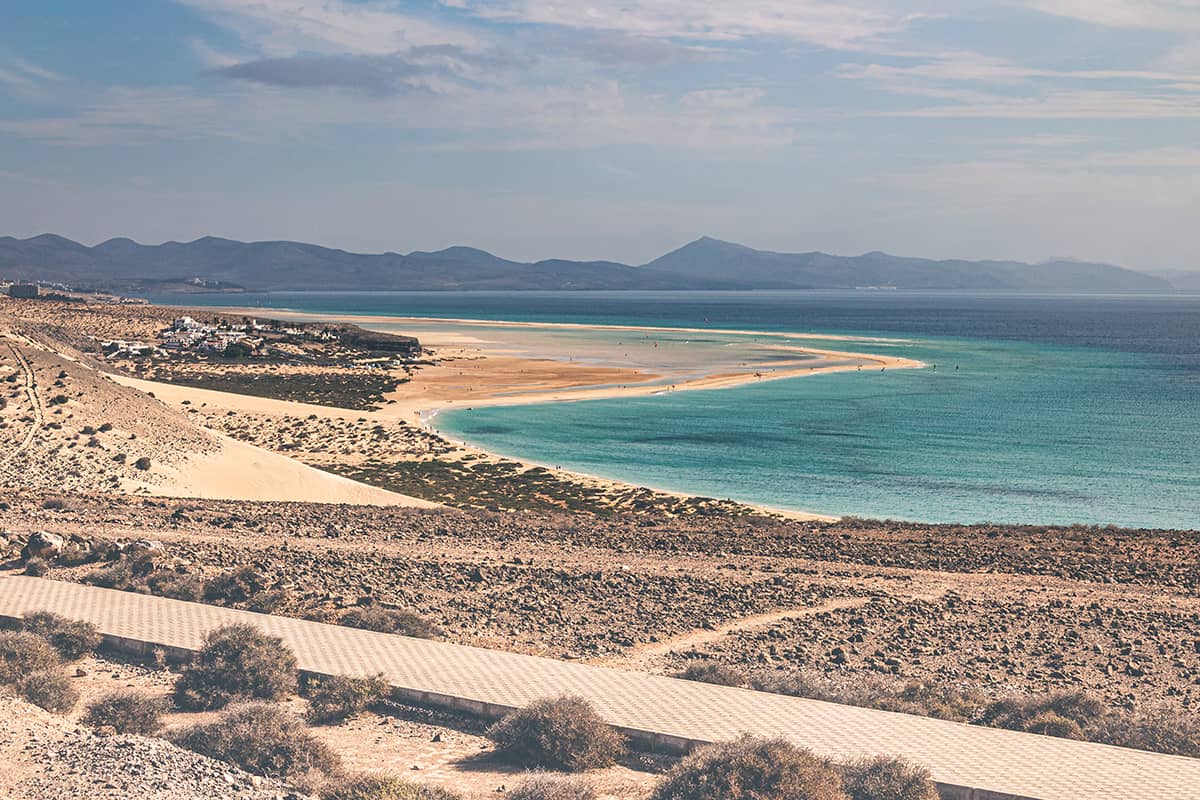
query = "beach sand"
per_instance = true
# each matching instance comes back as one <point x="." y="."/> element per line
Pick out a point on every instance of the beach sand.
<point x="499" y="365"/>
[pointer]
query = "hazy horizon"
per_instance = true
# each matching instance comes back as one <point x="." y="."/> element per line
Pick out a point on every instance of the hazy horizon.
<point x="1018" y="129"/>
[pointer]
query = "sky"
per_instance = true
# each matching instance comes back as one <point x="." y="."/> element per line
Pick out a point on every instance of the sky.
<point x="614" y="129"/>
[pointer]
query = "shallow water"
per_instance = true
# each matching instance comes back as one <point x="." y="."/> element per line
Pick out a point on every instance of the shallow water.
<point x="1061" y="409"/>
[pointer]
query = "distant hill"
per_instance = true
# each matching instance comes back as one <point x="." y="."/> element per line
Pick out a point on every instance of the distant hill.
<point x="711" y="257"/>
<point x="1181" y="279"/>
<point x="212" y="263"/>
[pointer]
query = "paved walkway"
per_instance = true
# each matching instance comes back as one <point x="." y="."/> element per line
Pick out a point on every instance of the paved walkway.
<point x="969" y="762"/>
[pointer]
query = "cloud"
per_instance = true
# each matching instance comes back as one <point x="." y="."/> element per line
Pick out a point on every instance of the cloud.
<point x="827" y="24"/>
<point x="974" y="85"/>
<point x="417" y="69"/>
<point x="1164" y="15"/>
<point x="466" y="118"/>
<point x="26" y="78"/>
<point x="288" y="27"/>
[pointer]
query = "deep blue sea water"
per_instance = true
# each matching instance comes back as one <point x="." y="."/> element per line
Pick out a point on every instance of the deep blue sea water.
<point x="1063" y="408"/>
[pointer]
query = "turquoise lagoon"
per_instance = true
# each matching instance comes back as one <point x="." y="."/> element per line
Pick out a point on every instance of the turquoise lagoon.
<point x="1042" y="409"/>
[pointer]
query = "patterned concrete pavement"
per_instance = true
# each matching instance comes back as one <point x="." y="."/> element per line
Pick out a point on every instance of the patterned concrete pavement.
<point x="969" y="762"/>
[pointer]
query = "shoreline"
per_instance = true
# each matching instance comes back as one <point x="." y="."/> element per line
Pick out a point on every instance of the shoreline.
<point x="563" y="380"/>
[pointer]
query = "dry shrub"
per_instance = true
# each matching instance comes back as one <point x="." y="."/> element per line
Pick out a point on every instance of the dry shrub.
<point x="377" y="787"/>
<point x="37" y="567"/>
<point x="1160" y="729"/>
<point x="391" y="620"/>
<point x="236" y="662"/>
<point x="50" y="689"/>
<point x="117" y="575"/>
<point x="751" y="768"/>
<point x="262" y="739"/>
<point x="562" y="733"/>
<point x="127" y="712"/>
<point x="177" y="586"/>
<point x="924" y="698"/>
<point x="1063" y="714"/>
<point x="334" y="698"/>
<point x="234" y="588"/>
<point x="888" y="779"/>
<point x="552" y="787"/>
<point x="22" y="653"/>
<point x="71" y="638"/>
<point x="713" y="672"/>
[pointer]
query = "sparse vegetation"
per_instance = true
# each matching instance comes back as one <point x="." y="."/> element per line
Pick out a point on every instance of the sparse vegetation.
<point x="166" y="583"/>
<point x="50" y="689"/>
<point x="338" y="697"/>
<point x="127" y="712"/>
<point x="752" y="769"/>
<point x="888" y="779"/>
<point x="262" y="739"/>
<point x="375" y="787"/>
<point x="715" y="672"/>
<point x="234" y="588"/>
<point x="924" y="698"/>
<point x="23" y="653"/>
<point x="237" y="662"/>
<point x="390" y="620"/>
<point x="562" y="733"/>
<point x="1063" y="714"/>
<point x="37" y="567"/>
<point x="1160" y="729"/>
<point x="72" y="639"/>
<point x="552" y="787"/>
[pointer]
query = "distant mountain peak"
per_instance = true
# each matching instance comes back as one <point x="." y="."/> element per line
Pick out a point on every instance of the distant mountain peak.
<point x="706" y="263"/>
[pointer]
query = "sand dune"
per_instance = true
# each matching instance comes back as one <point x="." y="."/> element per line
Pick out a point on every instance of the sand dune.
<point x="240" y="471"/>
<point x="65" y="427"/>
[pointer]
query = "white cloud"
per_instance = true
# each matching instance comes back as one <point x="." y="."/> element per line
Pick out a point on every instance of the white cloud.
<point x="1165" y="15"/>
<point x="827" y="24"/>
<point x="286" y="27"/>
<point x="514" y="118"/>
<point x="27" y="79"/>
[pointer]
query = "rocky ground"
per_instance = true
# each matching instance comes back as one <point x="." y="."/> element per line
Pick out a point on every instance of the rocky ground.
<point x="43" y="755"/>
<point x="1113" y="612"/>
<point x="64" y="426"/>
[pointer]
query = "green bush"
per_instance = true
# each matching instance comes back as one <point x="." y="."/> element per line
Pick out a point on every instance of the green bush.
<point x="50" y="689"/>
<point x="751" y="769"/>
<point x="557" y="733"/>
<point x="713" y="672"/>
<point x="552" y="787"/>
<point x="71" y="638"/>
<point x="888" y="779"/>
<point x="376" y="787"/>
<point x="236" y="662"/>
<point x="390" y="620"/>
<point x="22" y="653"/>
<point x="127" y="712"/>
<point x="262" y="739"/>
<point x="337" y="697"/>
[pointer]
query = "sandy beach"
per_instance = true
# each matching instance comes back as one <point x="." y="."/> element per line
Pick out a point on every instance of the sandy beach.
<point x="477" y="364"/>
<point x="222" y="434"/>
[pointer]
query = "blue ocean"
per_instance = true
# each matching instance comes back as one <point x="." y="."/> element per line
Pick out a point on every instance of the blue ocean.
<point x="1043" y="409"/>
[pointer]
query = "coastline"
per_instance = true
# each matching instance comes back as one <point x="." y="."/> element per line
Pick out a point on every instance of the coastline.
<point x="469" y="372"/>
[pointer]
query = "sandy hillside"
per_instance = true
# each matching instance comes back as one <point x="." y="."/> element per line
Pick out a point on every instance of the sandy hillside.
<point x="66" y="427"/>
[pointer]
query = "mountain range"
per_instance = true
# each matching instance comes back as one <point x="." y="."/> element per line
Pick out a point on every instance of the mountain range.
<point x="223" y="264"/>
